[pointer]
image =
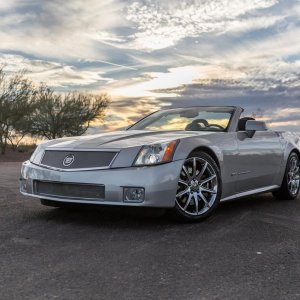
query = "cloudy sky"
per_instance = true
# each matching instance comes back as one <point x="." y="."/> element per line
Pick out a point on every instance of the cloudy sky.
<point x="151" y="54"/>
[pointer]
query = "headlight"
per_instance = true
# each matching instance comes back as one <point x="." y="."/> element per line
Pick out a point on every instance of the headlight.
<point x="37" y="155"/>
<point x="156" y="153"/>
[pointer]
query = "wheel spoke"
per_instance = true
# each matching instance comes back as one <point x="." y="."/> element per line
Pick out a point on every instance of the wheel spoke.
<point x="208" y="191"/>
<point x="204" y="200"/>
<point x="194" y="167"/>
<point x="202" y="171"/>
<point x="188" y="202"/>
<point x="294" y="165"/>
<point x="183" y="192"/>
<point x="208" y="179"/>
<point x="196" y="203"/>
<point x="187" y="173"/>
<point x="182" y="182"/>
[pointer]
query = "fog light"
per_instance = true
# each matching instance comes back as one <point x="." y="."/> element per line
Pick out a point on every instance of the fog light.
<point x="134" y="194"/>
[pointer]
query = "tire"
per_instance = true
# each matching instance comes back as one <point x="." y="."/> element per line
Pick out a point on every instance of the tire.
<point x="199" y="188"/>
<point x="289" y="189"/>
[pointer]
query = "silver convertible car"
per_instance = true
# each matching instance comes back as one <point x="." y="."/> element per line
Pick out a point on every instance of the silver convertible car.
<point x="185" y="159"/>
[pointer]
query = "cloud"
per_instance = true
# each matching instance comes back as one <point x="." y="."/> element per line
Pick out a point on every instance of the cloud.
<point x="153" y="54"/>
<point x="55" y="74"/>
<point x="278" y="107"/>
<point x="59" y="29"/>
<point x="156" y="81"/>
<point x="160" y="25"/>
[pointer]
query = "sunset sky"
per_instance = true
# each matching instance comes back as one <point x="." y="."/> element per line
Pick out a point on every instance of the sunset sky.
<point x="152" y="54"/>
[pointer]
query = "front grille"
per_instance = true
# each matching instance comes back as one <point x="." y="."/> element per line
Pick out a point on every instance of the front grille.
<point x="69" y="160"/>
<point x="69" y="190"/>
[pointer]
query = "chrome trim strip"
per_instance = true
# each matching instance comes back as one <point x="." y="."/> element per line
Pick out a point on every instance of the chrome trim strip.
<point x="44" y="151"/>
<point x="252" y="192"/>
<point x="83" y="149"/>
<point x="71" y="200"/>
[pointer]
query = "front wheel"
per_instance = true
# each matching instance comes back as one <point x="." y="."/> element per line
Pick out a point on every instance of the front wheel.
<point x="291" y="182"/>
<point x="199" y="188"/>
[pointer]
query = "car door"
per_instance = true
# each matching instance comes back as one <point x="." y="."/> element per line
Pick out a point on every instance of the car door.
<point x="259" y="160"/>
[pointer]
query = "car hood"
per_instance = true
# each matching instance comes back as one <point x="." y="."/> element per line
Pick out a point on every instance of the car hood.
<point x="120" y="139"/>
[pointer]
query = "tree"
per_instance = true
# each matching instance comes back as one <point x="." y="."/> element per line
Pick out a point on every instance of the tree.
<point x="58" y="115"/>
<point x="17" y="102"/>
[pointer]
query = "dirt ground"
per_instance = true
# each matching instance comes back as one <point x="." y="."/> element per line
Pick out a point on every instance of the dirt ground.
<point x="16" y="156"/>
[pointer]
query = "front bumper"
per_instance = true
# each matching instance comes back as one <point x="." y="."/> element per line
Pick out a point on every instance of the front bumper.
<point x="159" y="182"/>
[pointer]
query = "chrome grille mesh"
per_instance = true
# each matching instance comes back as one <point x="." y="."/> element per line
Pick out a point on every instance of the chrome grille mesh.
<point x="69" y="190"/>
<point x="82" y="159"/>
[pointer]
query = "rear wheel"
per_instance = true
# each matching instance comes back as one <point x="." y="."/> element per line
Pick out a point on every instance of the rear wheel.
<point x="291" y="182"/>
<point x="199" y="188"/>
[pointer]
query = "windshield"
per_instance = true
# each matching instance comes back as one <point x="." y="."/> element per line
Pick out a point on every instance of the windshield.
<point x="193" y="119"/>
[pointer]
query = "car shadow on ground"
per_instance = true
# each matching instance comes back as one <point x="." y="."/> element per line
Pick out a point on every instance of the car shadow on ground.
<point x="147" y="217"/>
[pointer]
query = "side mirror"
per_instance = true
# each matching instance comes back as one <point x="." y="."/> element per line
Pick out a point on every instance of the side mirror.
<point x="253" y="126"/>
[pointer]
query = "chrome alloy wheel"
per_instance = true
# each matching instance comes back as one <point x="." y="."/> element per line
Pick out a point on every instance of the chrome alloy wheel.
<point x="293" y="175"/>
<point x="197" y="186"/>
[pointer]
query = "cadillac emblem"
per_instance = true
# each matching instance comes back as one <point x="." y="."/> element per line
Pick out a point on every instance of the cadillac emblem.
<point x="68" y="160"/>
